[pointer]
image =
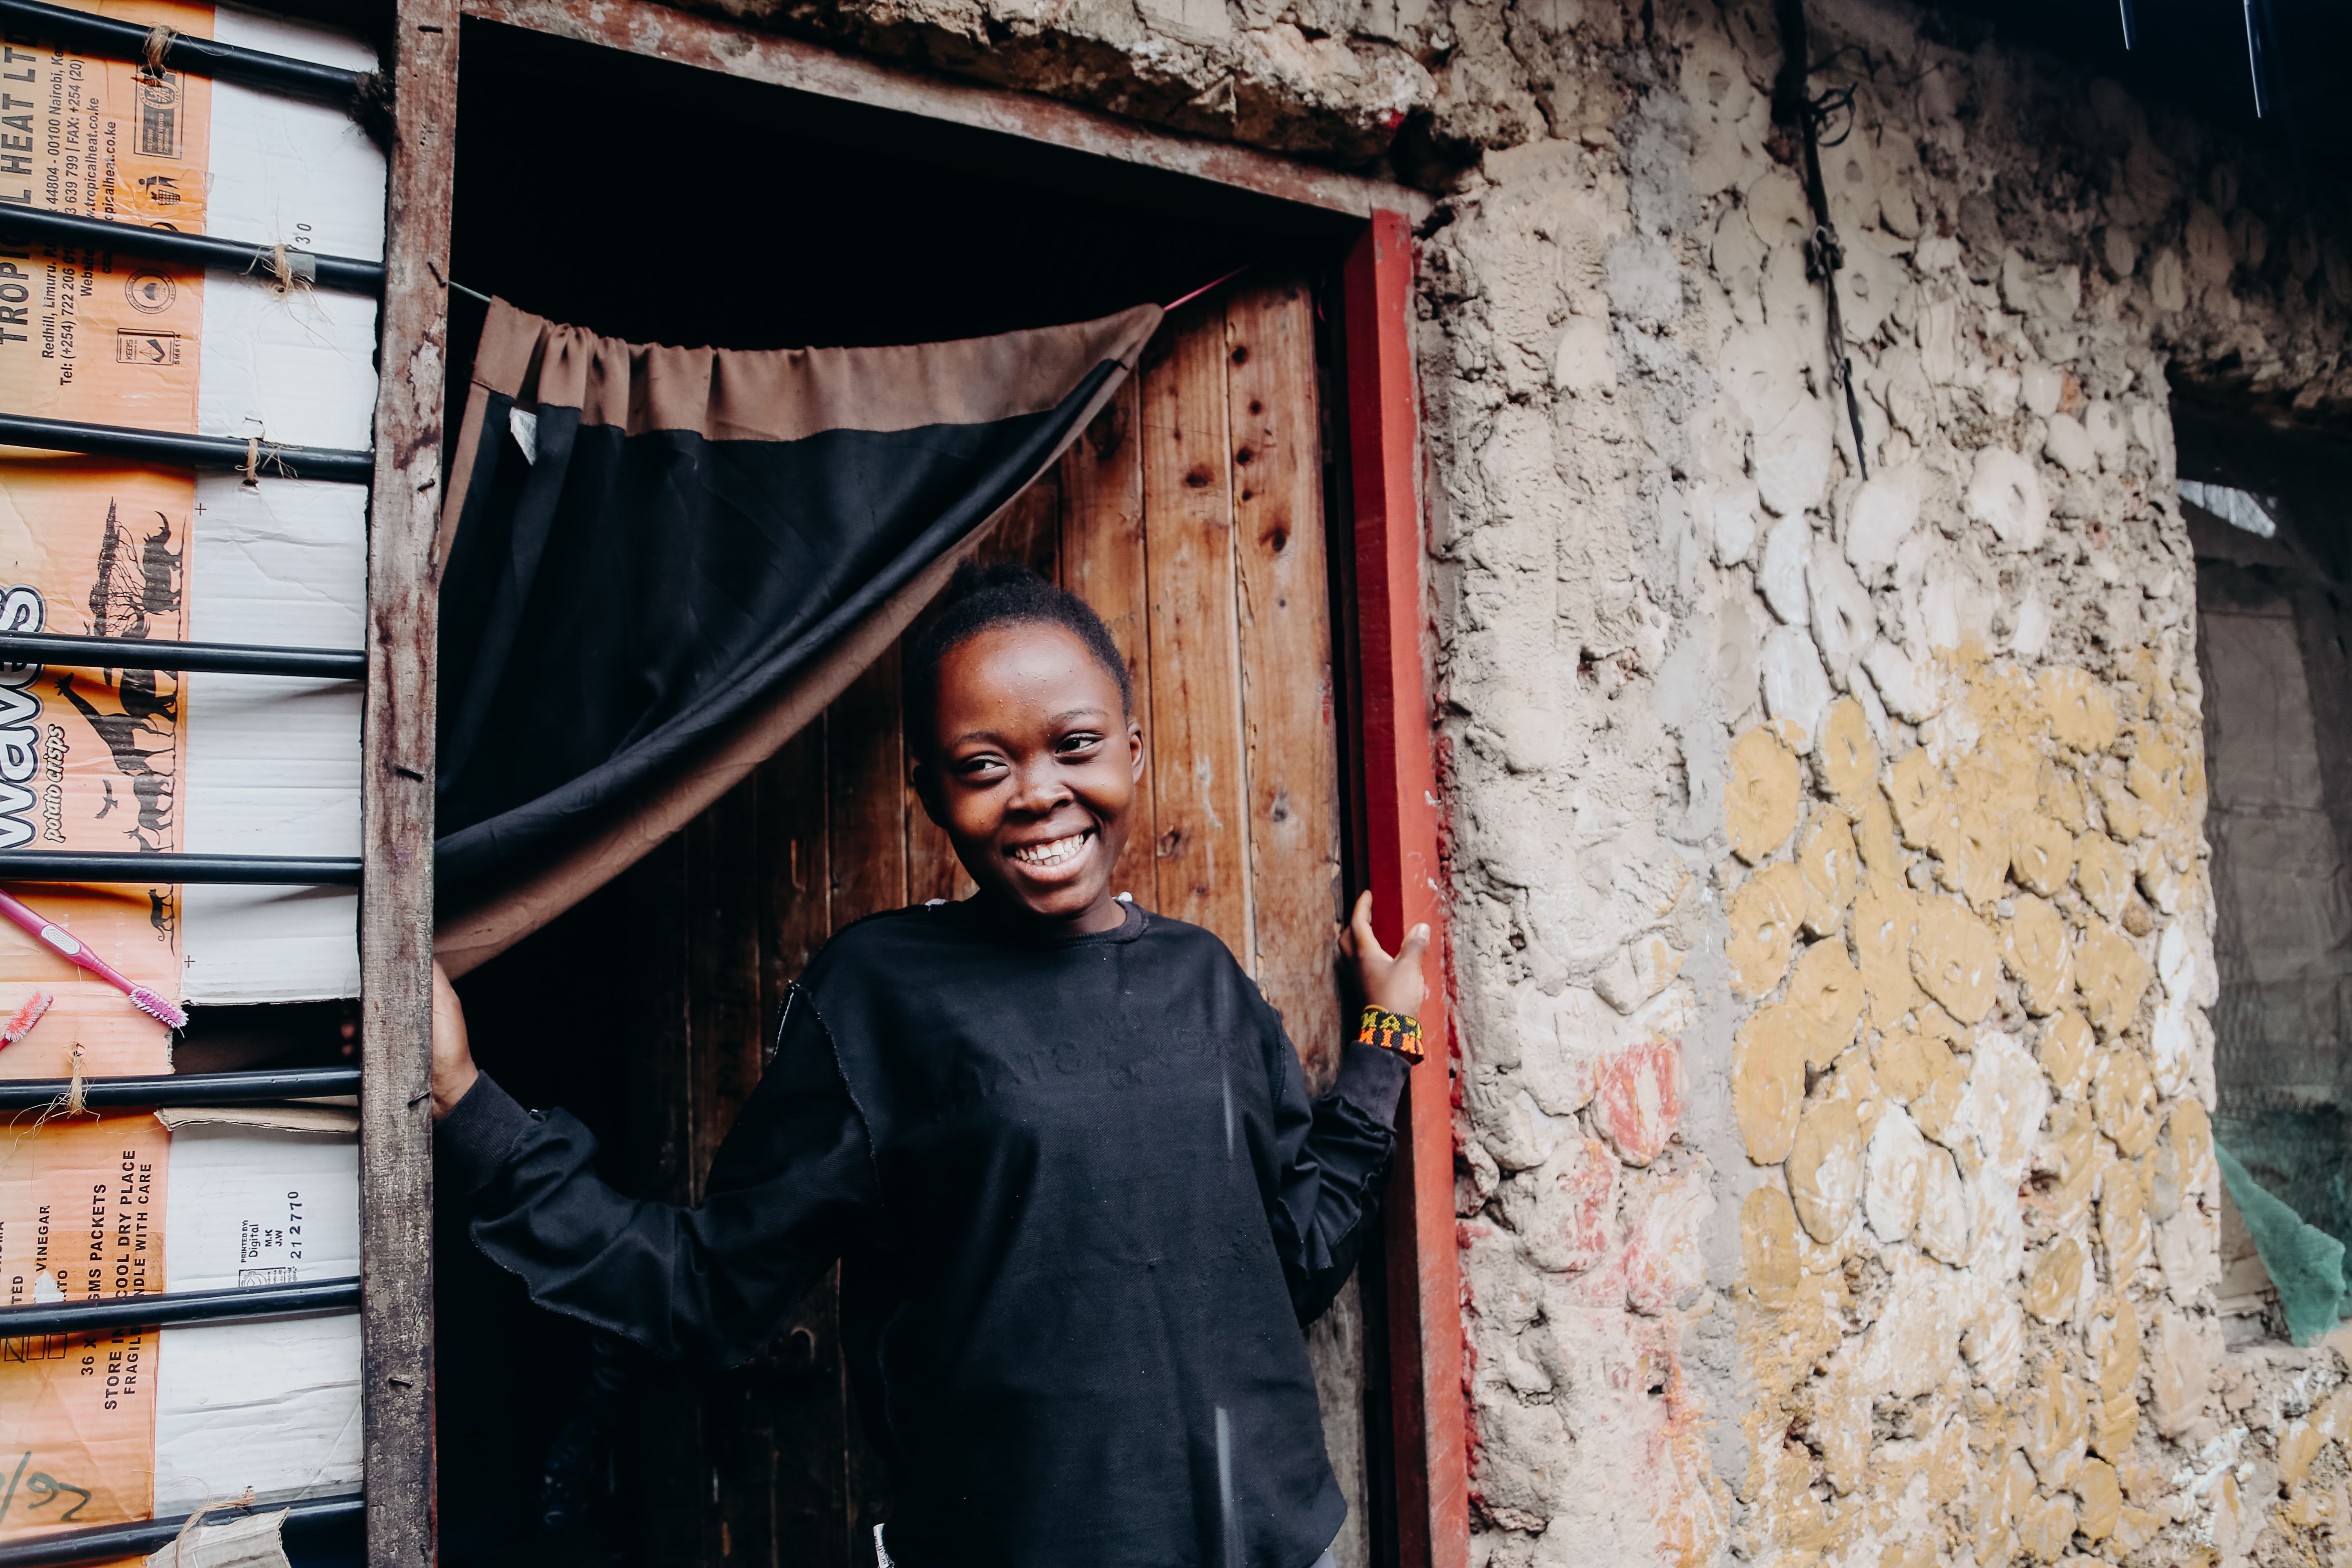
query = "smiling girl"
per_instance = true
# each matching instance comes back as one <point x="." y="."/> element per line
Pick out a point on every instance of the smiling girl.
<point x="1062" y="1144"/>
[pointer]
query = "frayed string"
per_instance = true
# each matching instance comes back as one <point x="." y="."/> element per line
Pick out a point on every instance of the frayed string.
<point x="78" y="1091"/>
<point x="159" y="43"/>
<point x="1204" y="288"/>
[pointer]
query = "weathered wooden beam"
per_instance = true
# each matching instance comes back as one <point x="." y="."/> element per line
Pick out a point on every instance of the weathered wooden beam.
<point x="643" y="27"/>
<point x="396" y="800"/>
<point x="1400" y="840"/>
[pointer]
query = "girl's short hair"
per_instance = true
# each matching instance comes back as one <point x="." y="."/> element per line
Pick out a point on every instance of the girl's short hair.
<point x="1006" y="592"/>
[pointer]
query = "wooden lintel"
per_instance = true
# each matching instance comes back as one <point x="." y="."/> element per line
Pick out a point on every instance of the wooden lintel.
<point x="396" y="801"/>
<point x="642" y="27"/>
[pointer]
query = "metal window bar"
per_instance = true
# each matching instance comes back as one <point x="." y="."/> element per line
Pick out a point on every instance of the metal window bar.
<point x="206" y="658"/>
<point x="266" y="458"/>
<point x="278" y="870"/>
<point x="200" y="57"/>
<point x="251" y="1087"/>
<point x="349" y="274"/>
<point x="312" y="1299"/>
<point x="321" y="1516"/>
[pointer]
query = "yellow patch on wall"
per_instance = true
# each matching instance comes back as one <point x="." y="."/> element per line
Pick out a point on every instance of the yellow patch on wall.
<point x="2034" y="947"/>
<point x="2081" y="713"/>
<point x="1765" y="914"/>
<point x="1760" y="806"/>
<point x="1826" y="861"/>
<point x="1884" y="917"/>
<point x="1954" y="960"/>
<point x="2067" y="1043"/>
<point x="2112" y="977"/>
<point x="2042" y="854"/>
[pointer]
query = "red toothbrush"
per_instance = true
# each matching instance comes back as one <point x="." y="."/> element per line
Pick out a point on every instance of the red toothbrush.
<point x="65" y="943"/>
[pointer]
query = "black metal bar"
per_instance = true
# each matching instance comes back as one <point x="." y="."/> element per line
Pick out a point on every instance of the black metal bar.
<point x="318" y="1298"/>
<point x="77" y="866"/>
<point x="209" y="657"/>
<point x="184" y="1088"/>
<point x="105" y="1543"/>
<point x="222" y="62"/>
<point x="271" y="460"/>
<point x="349" y="274"/>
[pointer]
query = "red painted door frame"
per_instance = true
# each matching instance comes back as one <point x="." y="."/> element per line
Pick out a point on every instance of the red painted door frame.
<point x="1400" y="821"/>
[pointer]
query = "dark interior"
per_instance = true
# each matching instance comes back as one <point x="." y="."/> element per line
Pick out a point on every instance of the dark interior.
<point x="742" y="215"/>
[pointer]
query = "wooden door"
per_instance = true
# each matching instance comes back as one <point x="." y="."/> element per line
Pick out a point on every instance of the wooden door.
<point x="1191" y="516"/>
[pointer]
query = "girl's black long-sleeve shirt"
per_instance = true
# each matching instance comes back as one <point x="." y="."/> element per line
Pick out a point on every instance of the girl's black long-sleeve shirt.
<point x="1090" y="1207"/>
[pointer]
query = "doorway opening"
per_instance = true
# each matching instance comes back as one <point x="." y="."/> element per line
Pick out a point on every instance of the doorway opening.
<point x="2272" y="529"/>
<point x="1196" y="514"/>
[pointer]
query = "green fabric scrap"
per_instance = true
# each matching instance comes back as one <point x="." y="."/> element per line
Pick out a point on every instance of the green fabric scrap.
<point x="2305" y="1263"/>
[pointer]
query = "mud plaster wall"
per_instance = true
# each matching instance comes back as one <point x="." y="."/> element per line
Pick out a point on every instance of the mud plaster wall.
<point x="1831" y="923"/>
<point x="1833" y="927"/>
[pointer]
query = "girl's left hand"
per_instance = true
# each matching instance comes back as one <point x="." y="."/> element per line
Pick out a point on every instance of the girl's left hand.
<point x="1394" y="985"/>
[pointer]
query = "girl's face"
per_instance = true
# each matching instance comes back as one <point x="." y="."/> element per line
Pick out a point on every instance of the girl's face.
<point x="1032" y="771"/>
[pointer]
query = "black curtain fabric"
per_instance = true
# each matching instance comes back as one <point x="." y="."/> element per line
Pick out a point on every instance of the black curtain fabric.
<point x="666" y="538"/>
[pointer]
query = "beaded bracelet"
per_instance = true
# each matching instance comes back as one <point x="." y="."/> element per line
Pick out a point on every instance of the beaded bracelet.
<point x="1390" y="1032"/>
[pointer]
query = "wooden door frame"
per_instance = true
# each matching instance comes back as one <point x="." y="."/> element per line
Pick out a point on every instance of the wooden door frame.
<point x="1400" y="833"/>
<point x="396" y="798"/>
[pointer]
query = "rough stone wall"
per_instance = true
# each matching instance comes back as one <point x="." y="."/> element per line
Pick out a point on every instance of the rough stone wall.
<point x="1832" y="922"/>
<point x="1832" y="933"/>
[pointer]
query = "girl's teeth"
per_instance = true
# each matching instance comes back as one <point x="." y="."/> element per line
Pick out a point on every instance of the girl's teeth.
<point x="1053" y="854"/>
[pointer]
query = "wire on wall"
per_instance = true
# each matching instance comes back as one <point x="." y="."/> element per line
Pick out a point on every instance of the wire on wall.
<point x="1795" y="108"/>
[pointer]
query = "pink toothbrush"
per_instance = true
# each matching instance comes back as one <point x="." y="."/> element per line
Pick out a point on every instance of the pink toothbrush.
<point x="67" y="943"/>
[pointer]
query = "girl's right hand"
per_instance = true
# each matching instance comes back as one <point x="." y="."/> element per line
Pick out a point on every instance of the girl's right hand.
<point x="453" y="1061"/>
<point x="1394" y="985"/>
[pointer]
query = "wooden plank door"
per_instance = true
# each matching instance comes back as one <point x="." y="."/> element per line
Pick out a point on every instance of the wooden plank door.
<point x="1189" y="515"/>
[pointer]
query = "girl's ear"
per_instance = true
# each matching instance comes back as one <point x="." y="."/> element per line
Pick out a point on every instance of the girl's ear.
<point x="926" y="780"/>
<point x="1135" y="750"/>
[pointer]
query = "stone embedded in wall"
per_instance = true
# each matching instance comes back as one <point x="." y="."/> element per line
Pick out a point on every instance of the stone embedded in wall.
<point x="2067" y="1053"/>
<point x="1569" y="1224"/>
<point x="2124" y="1233"/>
<point x="1769" y="1270"/>
<point x="2115" y="1353"/>
<point x="1954" y="959"/>
<point x="2057" y="1281"/>
<point x="2057" y="1426"/>
<point x="1880" y="517"/>
<point x="1844" y="622"/>
<point x="1895" y="1177"/>
<point x="1883" y="918"/>
<point x="2123" y="1096"/>
<point x="1848" y="757"/>
<point x="1764" y="915"/>
<point x="2035" y="949"/>
<point x="2080" y="712"/>
<point x="1795" y="687"/>
<point x="1827" y="861"/>
<point x="1761" y="804"/>
<point x="1640" y="1099"/>
<point x="1768" y="1080"/>
<point x="1825" y="1168"/>
<point x="1826" y="992"/>
<point x="2113" y="978"/>
<point x="2070" y="1158"/>
<point x="2180" y="1372"/>
<point x="1781" y="574"/>
<point x="2042" y="855"/>
<point x="2005" y="495"/>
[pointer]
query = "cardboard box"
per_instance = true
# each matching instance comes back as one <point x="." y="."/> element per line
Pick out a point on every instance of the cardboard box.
<point x="115" y="760"/>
